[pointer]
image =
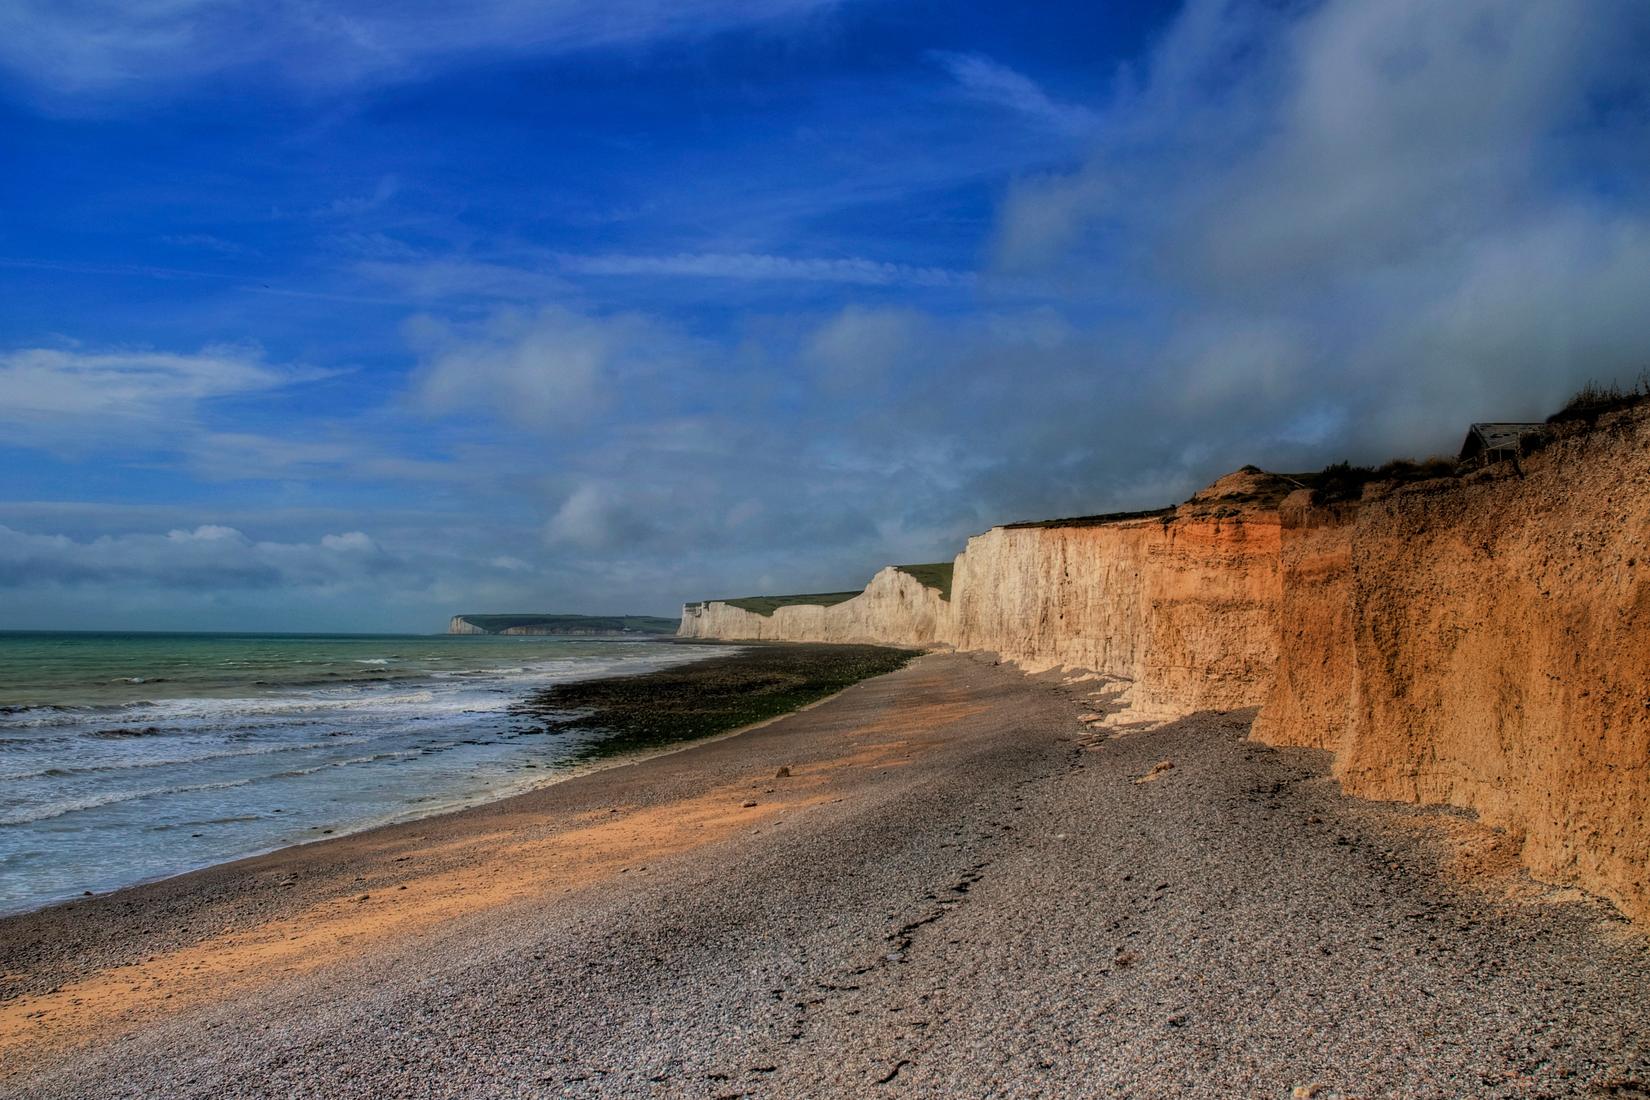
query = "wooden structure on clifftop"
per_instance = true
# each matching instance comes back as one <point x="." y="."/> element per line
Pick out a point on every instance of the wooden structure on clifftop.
<point x="1493" y="441"/>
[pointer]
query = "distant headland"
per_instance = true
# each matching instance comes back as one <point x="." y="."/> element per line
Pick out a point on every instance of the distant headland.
<point x="583" y="625"/>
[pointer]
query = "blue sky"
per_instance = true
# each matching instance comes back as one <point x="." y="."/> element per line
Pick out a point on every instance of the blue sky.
<point x="355" y="316"/>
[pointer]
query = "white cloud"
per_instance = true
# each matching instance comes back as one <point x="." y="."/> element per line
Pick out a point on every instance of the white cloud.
<point x="76" y="400"/>
<point x="990" y="82"/>
<point x="509" y="564"/>
<point x="207" y="557"/>
<point x="586" y="519"/>
<point x="862" y="346"/>
<point x="349" y="542"/>
<point x="713" y="265"/>
<point x="122" y="47"/>
<point x="209" y="532"/>
<point x="1394" y="217"/>
<point x="549" y="367"/>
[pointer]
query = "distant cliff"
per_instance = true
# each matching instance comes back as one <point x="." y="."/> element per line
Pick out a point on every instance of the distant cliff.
<point x="1475" y="635"/>
<point x="903" y="605"/>
<point x="650" y="625"/>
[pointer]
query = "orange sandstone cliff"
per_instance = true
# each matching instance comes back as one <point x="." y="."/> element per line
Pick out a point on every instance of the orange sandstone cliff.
<point x="1485" y="642"/>
<point x="1178" y="607"/>
<point x="1479" y="641"/>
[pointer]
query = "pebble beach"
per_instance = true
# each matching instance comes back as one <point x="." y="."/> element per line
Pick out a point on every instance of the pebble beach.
<point x="938" y="882"/>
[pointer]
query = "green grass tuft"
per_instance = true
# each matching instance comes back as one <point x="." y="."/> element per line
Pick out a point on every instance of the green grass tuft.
<point x="936" y="575"/>
<point x="767" y="605"/>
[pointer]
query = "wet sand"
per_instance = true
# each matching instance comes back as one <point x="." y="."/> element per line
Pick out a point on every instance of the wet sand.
<point x="956" y="890"/>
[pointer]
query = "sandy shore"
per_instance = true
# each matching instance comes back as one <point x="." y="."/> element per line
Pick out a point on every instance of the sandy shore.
<point x="953" y="892"/>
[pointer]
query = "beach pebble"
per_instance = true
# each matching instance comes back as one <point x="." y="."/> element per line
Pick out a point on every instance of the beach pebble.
<point x="1157" y="769"/>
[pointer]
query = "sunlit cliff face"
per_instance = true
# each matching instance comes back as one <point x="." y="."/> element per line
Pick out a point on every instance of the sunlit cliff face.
<point x="1473" y="640"/>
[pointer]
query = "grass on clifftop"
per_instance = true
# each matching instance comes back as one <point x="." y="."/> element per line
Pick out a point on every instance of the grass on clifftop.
<point x="767" y="605"/>
<point x="1596" y="398"/>
<point x="1092" y="521"/>
<point x="672" y="705"/>
<point x="936" y="576"/>
<point x="636" y="624"/>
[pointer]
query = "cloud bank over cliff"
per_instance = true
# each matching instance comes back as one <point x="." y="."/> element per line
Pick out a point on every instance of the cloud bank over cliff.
<point x="749" y="310"/>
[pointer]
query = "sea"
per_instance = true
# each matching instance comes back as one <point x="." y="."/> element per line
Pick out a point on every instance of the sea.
<point x="127" y="757"/>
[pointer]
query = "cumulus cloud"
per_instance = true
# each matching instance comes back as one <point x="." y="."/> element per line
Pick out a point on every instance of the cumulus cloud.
<point x="118" y="47"/>
<point x="596" y="517"/>
<point x="216" y="576"/>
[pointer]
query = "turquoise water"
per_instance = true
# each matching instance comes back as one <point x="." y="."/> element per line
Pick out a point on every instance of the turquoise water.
<point x="127" y="757"/>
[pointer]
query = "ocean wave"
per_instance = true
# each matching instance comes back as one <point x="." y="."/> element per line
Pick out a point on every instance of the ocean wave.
<point x="51" y="810"/>
<point x="371" y="758"/>
<point x="64" y="772"/>
<point x="122" y="732"/>
<point x="58" y="714"/>
<point x="30" y="814"/>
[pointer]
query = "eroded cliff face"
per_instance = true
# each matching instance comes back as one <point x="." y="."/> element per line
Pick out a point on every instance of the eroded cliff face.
<point x="1180" y="607"/>
<point x="1309" y="700"/>
<point x="1485" y="643"/>
<point x="1482" y="642"/>
<point x="895" y="609"/>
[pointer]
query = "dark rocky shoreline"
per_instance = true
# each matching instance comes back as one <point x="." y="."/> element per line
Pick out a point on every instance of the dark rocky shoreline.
<point x="667" y="706"/>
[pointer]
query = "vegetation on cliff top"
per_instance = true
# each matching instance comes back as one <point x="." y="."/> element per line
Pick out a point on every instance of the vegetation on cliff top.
<point x="767" y="605"/>
<point x="1595" y="399"/>
<point x="1092" y="521"/>
<point x="573" y="624"/>
<point x="1343" y="481"/>
<point x="936" y="575"/>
